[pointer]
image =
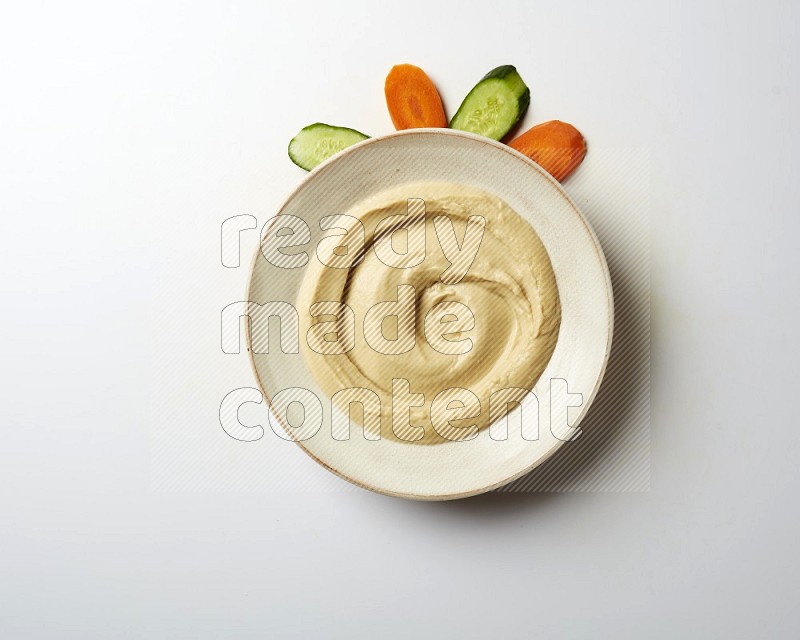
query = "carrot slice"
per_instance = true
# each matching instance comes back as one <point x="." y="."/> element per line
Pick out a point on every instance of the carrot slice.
<point x="412" y="99"/>
<point x="556" y="146"/>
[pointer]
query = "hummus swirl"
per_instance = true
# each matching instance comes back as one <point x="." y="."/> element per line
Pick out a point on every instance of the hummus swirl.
<point x="509" y="289"/>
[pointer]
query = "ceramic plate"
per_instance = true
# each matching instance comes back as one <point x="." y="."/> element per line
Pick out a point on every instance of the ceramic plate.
<point x="572" y="376"/>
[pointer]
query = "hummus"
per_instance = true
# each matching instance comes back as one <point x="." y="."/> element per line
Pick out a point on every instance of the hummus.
<point x="450" y="297"/>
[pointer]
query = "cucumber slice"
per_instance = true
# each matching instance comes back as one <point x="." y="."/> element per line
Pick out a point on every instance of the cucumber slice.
<point x="318" y="142"/>
<point x="494" y="105"/>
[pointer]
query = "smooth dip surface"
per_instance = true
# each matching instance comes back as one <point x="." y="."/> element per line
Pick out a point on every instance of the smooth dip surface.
<point x="449" y="293"/>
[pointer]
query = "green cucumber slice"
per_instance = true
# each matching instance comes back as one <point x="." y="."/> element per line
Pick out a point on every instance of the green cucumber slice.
<point x="318" y="142"/>
<point x="494" y="105"/>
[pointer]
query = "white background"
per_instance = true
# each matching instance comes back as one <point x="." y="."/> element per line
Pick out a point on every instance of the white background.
<point x="129" y="132"/>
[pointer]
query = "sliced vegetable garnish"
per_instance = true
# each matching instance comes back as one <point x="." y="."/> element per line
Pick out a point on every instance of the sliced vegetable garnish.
<point x="494" y="105"/>
<point x="412" y="99"/>
<point x="318" y="142"/>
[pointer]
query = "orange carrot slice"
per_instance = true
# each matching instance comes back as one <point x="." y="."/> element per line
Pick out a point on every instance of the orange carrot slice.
<point x="412" y="99"/>
<point x="556" y="146"/>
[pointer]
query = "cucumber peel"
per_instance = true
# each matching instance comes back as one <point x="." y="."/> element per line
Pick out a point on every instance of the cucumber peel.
<point x="494" y="105"/>
<point x="318" y="142"/>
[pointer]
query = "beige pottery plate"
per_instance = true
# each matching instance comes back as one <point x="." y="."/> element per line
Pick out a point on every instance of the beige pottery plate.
<point x="453" y="469"/>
